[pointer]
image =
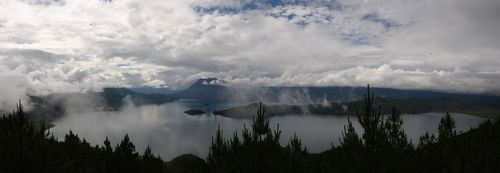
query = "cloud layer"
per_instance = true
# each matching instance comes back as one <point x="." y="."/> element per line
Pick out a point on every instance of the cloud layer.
<point x="51" y="46"/>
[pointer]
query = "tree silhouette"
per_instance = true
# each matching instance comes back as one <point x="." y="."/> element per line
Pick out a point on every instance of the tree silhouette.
<point x="446" y="127"/>
<point x="107" y="146"/>
<point x="372" y="122"/>
<point x="260" y="125"/>
<point x="295" y="145"/>
<point x="395" y="135"/>
<point x="26" y="147"/>
<point x="350" y="138"/>
<point x="217" y="150"/>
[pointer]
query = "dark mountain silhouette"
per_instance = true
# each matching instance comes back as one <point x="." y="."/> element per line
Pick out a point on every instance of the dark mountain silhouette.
<point x="114" y="97"/>
<point x="206" y="90"/>
<point x="212" y="89"/>
<point x="152" y="90"/>
<point x="472" y="106"/>
<point x="347" y="93"/>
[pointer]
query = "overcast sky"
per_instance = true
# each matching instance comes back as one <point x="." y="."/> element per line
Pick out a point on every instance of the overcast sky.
<point x="51" y="46"/>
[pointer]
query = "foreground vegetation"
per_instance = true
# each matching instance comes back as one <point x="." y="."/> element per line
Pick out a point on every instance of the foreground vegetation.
<point x="381" y="147"/>
<point x="26" y="147"/>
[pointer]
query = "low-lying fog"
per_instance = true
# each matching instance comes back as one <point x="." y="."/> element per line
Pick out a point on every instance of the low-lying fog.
<point x="170" y="132"/>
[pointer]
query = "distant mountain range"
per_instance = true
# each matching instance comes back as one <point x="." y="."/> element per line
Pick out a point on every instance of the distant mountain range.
<point x="336" y="100"/>
<point x="214" y="91"/>
<point x="211" y="89"/>
<point x="478" y="107"/>
<point x="152" y="90"/>
<point x="56" y="105"/>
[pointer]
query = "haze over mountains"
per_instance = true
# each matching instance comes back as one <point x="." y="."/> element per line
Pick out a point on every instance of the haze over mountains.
<point x="283" y="100"/>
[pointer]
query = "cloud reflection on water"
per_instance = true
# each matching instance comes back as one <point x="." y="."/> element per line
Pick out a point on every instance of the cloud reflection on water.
<point x="170" y="132"/>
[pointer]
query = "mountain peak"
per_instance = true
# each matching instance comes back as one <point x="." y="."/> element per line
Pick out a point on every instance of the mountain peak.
<point x="206" y="89"/>
<point x="208" y="82"/>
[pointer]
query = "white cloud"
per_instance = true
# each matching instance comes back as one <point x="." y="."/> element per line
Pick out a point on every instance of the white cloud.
<point x="86" y="45"/>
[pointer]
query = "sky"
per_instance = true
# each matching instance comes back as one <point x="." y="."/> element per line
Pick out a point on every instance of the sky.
<point x="51" y="46"/>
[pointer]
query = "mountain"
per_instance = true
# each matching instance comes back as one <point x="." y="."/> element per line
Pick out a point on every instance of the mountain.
<point x="346" y="93"/>
<point x="207" y="90"/>
<point x="286" y="100"/>
<point x="484" y="106"/>
<point x="212" y="89"/>
<point x="152" y="90"/>
<point x="469" y="105"/>
<point x="114" y="97"/>
<point x="55" y="105"/>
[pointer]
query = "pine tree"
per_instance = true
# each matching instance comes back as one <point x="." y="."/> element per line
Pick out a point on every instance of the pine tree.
<point x="126" y="147"/>
<point x="107" y="146"/>
<point x="28" y="148"/>
<point x="426" y="139"/>
<point x="395" y="133"/>
<point x="126" y="156"/>
<point x="150" y="163"/>
<point x="148" y="155"/>
<point x="277" y="134"/>
<point x="247" y="135"/>
<point x="295" y="145"/>
<point x="350" y="138"/>
<point x="235" y="142"/>
<point x="446" y="127"/>
<point x="217" y="150"/>
<point x="260" y="125"/>
<point x="372" y="122"/>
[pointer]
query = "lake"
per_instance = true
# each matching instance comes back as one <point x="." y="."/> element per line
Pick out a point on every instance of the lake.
<point x="170" y="132"/>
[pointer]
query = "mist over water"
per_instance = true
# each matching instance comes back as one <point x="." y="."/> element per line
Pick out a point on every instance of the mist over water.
<point x="170" y="132"/>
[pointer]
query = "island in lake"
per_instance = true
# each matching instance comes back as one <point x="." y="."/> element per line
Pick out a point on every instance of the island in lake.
<point x="195" y="112"/>
<point x="483" y="108"/>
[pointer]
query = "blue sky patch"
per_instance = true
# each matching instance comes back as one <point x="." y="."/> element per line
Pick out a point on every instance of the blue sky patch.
<point x="387" y="23"/>
<point x="266" y="4"/>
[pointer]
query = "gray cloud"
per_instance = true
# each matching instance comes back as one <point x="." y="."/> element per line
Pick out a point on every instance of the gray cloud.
<point x="76" y="45"/>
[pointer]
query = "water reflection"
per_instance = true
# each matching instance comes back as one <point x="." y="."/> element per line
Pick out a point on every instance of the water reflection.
<point x="170" y="132"/>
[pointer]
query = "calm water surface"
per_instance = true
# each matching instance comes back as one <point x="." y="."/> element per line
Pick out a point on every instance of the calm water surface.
<point x="170" y="132"/>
